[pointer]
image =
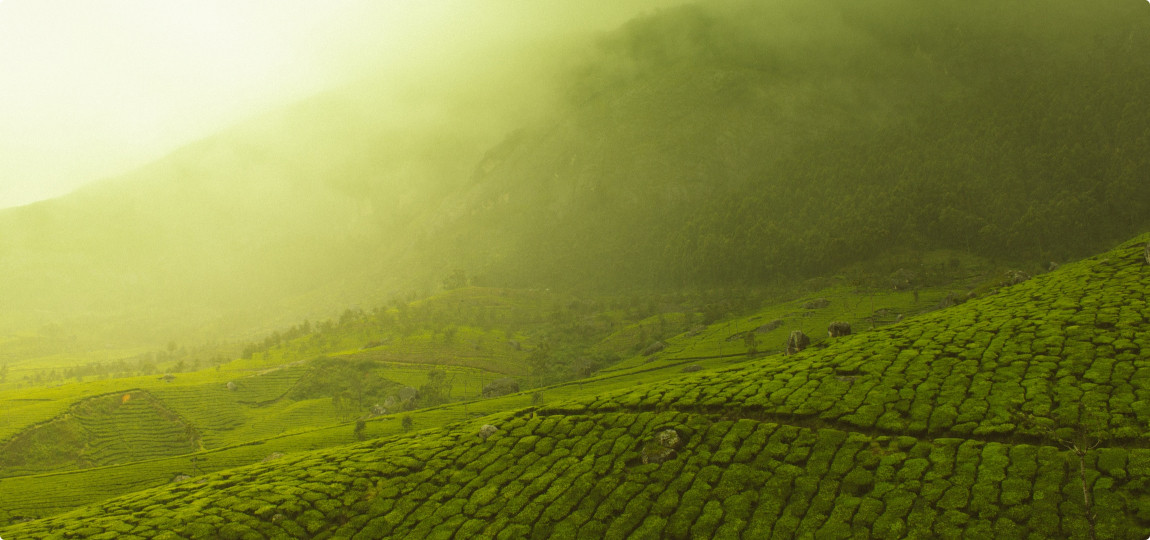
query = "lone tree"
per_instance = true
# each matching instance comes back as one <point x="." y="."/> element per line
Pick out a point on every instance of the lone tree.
<point x="407" y="422"/>
<point x="1079" y="438"/>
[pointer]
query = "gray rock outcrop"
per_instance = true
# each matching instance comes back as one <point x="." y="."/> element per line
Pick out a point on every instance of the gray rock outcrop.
<point x="797" y="342"/>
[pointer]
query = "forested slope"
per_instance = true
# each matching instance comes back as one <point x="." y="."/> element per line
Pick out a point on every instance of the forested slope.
<point x="736" y="142"/>
<point x="716" y="144"/>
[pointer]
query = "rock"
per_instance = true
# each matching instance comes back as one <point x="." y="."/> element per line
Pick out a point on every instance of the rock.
<point x="662" y="448"/>
<point x="654" y="348"/>
<point x="668" y="438"/>
<point x="903" y="279"/>
<point x="486" y="431"/>
<point x="181" y="478"/>
<point x="272" y="457"/>
<point x="1014" y="277"/>
<point x="839" y="329"/>
<point x="691" y="369"/>
<point x="797" y="342"/>
<point x="231" y="386"/>
<point x="817" y="303"/>
<point x="1146" y="253"/>
<point x="950" y="300"/>
<point x="769" y="326"/>
<point x="501" y="387"/>
<point x="406" y="393"/>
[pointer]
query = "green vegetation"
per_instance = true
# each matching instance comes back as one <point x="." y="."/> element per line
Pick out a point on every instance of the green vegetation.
<point x="826" y="442"/>
<point x="759" y="270"/>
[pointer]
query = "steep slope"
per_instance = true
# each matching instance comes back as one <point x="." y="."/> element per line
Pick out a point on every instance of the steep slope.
<point x="719" y="143"/>
<point x="734" y="142"/>
<point x="904" y="431"/>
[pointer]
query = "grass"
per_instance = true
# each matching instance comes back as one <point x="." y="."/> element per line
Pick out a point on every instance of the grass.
<point x="829" y="442"/>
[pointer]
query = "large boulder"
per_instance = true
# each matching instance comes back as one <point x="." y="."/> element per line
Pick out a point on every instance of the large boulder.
<point x="797" y="342"/>
<point x="839" y="329"/>
<point x="662" y="446"/>
<point x="1014" y="277"/>
<point x="501" y="387"/>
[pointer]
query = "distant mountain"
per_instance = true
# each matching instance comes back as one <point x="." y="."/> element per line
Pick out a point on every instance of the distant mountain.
<point x="717" y="144"/>
<point x="268" y="221"/>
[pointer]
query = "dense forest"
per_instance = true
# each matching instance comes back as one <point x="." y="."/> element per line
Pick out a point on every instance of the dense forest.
<point x="742" y="142"/>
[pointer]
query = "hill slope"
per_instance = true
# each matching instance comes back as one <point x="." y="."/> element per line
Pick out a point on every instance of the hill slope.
<point x="904" y="431"/>
<point x="721" y="143"/>
<point x="737" y="142"/>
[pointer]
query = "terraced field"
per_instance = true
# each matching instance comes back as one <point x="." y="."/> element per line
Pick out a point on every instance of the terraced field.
<point x="963" y="423"/>
<point x="105" y="430"/>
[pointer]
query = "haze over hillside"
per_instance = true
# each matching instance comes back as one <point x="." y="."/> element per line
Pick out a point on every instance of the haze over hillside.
<point x="712" y="144"/>
<point x="545" y="270"/>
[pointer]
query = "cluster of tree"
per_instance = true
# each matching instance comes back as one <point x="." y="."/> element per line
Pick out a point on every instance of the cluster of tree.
<point x="353" y="386"/>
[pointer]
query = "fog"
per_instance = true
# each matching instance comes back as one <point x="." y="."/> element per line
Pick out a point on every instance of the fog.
<point x="94" y="89"/>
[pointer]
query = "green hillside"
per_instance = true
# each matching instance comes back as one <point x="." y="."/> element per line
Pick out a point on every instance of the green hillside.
<point x="552" y="298"/>
<point x="738" y="142"/>
<point x="956" y="423"/>
<point x="718" y="144"/>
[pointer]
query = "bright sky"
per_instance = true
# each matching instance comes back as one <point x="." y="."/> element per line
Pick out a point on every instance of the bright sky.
<point x="93" y="88"/>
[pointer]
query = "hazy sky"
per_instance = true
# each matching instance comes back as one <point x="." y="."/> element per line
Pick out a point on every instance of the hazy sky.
<point x="90" y="89"/>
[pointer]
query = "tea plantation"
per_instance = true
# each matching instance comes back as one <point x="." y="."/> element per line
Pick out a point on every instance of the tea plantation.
<point x="1022" y="414"/>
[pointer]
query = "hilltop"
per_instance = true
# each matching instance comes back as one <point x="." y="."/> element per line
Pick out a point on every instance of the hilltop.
<point x="945" y="424"/>
<point x="720" y="144"/>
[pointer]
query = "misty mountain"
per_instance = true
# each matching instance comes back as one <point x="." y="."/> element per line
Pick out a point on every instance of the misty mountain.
<point x="736" y="142"/>
<point x="718" y="143"/>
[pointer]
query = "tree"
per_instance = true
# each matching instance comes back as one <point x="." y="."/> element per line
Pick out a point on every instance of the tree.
<point x="538" y="361"/>
<point x="1080" y="437"/>
<point x="751" y="342"/>
<point x="437" y="390"/>
<point x="407" y="422"/>
<point x="360" y="425"/>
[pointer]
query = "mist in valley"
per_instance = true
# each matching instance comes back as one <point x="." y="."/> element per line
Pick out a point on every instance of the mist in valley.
<point x="722" y="240"/>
